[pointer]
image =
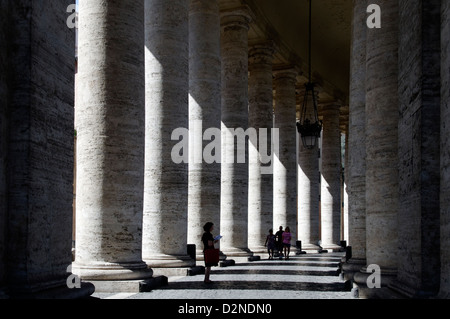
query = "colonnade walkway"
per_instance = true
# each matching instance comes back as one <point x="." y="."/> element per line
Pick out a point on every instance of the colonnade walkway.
<point x="307" y="276"/>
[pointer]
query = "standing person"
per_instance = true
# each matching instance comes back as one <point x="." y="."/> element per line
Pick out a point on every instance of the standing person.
<point x="208" y="243"/>
<point x="287" y="242"/>
<point x="270" y="243"/>
<point x="279" y="235"/>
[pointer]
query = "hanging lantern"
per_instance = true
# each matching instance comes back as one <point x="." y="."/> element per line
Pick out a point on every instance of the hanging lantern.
<point x="309" y="126"/>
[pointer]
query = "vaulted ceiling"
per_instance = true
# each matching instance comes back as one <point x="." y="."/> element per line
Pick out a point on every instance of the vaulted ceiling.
<point x="285" y="22"/>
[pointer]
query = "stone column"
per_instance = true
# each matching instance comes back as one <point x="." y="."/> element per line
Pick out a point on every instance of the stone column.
<point x="285" y="160"/>
<point x="344" y="177"/>
<point x="166" y="105"/>
<point x="204" y="113"/>
<point x="308" y="180"/>
<point x="445" y="151"/>
<point x="36" y="146"/>
<point x="382" y="146"/>
<point x="356" y="168"/>
<point x="331" y="177"/>
<point x="110" y="137"/>
<point x="234" y="172"/>
<point x="418" y="130"/>
<point x="260" y="191"/>
<point x="4" y="65"/>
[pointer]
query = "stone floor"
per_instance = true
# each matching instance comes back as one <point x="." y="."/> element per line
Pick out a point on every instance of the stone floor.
<point x="307" y="276"/>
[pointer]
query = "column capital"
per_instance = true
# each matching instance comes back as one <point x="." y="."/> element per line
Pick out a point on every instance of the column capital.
<point x="236" y="17"/>
<point x="329" y="105"/>
<point x="261" y="53"/>
<point x="289" y="72"/>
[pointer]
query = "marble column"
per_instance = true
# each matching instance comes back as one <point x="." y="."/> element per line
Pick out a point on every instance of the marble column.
<point x="356" y="168"/>
<point x="260" y="193"/>
<point x="110" y="137"/>
<point x="36" y="146"/>
<point x="204" y="113"/>
<point x="166" y="105"/>
<point x="418" y="149"/>
<point x="308" y="181"/>
<point x="285" y="160"/>
<point x="445" y="151"/>
<point x="234" y="169"/>
<point x="382" y="147"/>
<point x="330" y="192"/>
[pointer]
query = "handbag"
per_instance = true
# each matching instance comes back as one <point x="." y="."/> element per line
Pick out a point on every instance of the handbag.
<point x="212" y="256"/>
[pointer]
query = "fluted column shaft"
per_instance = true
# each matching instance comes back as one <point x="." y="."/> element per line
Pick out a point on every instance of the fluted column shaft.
<point x="234" y="173"/>
<point x="331" y="177"/>
<point x="204" y="113"/>
<point x="110" y="137"/>
<point x="166" y="104"/>
<point x="260" y="193"/>
<point x="285" y="161"/>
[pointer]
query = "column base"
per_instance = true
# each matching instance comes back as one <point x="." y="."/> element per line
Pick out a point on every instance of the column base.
<point x="169" y="261"/>
<point x="399" y="290"/>
<point x="332" y="248"/>
<point x="112" y="271"/>
<point x="311" y="248"/>
<point x="350" y="267"/>
<point x="134" y="286"/>
<point x="179" y="271"/>
<point x="53" y="290"/>
<point x="238" y="254"/>
<point x="258" y="249"/>
<point x="363" y="291"/>
<point x="443" y="295"/>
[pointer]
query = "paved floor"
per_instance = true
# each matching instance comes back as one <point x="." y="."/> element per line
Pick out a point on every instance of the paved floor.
<point x="308" y="276"/>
